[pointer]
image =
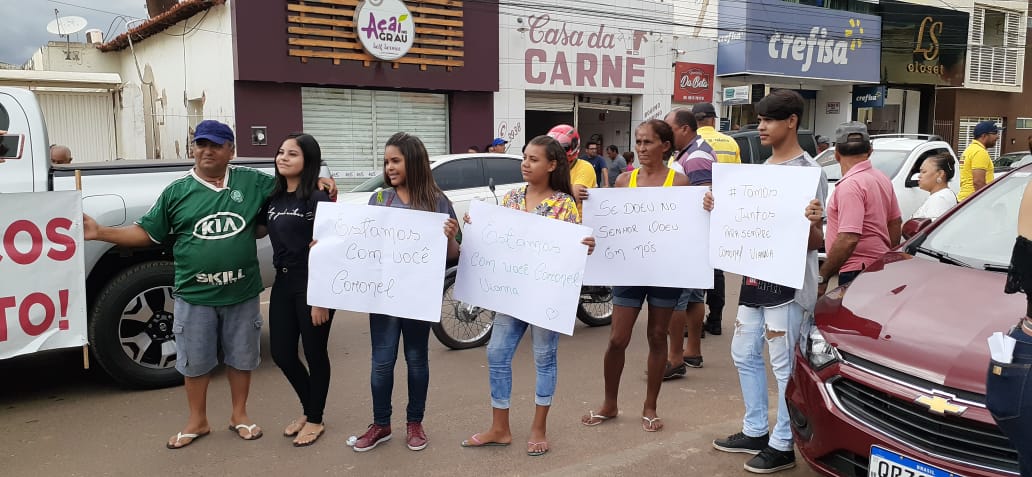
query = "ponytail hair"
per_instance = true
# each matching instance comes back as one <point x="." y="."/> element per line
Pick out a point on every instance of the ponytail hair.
<point x="945" y="163"/>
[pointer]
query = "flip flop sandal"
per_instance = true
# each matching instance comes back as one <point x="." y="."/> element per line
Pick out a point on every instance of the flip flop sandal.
<point x="474" y="442"/>
<point x="180" y="436"/>
<point x="307" y="434"/>
<point x="537" y="453"/>
<point x="252" y="436"/>
<point x="294" y="423"/>
<point x="595" y="419"/>
<point x="649" y="424"/>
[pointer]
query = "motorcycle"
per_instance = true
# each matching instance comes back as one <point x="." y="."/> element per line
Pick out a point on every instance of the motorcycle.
<point x="465" y="326"/>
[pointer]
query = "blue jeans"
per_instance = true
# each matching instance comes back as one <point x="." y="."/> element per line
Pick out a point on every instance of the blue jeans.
<point x="1008" y="396"/>
<point x="751" y="329"/>
<point x="385" y="332"/>
<point x="505" y="337"/>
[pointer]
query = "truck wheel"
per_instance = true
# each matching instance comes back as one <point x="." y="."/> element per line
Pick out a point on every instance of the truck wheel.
<point x="462" y="326"/>
<point x="130" y="327"/>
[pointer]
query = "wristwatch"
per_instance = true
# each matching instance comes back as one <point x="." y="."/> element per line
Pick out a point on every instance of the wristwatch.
<point x="820" y="279"/>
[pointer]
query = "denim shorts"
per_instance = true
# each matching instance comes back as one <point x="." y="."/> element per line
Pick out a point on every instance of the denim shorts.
<point x="688" y="296"/>
<point x="201" y="330"/>
<point x="634" y="297"/>
<point x="1008" y="397"/>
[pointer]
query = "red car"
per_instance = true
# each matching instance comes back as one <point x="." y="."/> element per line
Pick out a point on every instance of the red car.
<point x="889" y="379"/>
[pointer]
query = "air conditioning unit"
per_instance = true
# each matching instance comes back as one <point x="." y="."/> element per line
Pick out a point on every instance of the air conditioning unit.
<point x="94" y="37"/>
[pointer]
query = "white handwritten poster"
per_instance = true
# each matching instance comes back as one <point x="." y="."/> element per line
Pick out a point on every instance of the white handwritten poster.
<point x="759" y="226"/>
<point x="373" y="259"/>
<point x="524" y="265"/>
<point x="649" y="236"/>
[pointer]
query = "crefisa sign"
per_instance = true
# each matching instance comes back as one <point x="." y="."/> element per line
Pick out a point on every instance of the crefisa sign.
<point x="869" y="96"/>
<point x="772" y="37"/>
<point x="385" y="28"/>
<point x="693" y="83"/>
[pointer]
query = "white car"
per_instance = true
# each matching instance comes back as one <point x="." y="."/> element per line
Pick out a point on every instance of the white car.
<point x="462" y="177"/>
<point x="898" y="156"/>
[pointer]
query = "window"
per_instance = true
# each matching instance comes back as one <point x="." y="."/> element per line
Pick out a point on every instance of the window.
<point x="916" y="169"/>
<point x="460" y="174"/>
<point x="967" y="133"/>
<point x="5" y="119"/>
<point x="743" y="146"/>
<point x="885" y="160"/>
<point x="982" y="231"/>
<point x="502" y="170"/>
<point x="1023" y="123"/>
<point x="997" y="36"/>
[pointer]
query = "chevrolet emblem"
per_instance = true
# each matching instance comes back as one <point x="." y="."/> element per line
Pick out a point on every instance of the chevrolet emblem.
<point x="941" y="406"/>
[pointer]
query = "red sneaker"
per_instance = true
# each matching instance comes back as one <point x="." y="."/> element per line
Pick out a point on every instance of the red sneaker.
<point x="415" y="436"/>
<point x="373" y="437"/>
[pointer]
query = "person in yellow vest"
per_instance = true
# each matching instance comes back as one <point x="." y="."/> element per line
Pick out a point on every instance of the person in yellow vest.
<point x="723" y="145"/>
<point x="976" y="168"/>
<point x="727" y="151"/>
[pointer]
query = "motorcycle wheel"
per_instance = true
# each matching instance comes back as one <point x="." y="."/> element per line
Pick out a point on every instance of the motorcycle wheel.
<point x="462" y="326"/>
<point x="596" y="306"/>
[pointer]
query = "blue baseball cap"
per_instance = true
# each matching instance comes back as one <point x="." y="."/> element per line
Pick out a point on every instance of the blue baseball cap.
<point x="213" y="131"/>
<point x="498" y="142"/>
<point x="986" y="127"/>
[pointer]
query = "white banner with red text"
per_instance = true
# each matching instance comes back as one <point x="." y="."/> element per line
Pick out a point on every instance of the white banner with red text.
<point x="42" y="272"/>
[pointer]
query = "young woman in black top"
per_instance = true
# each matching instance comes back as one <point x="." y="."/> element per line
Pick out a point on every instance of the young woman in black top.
<point x="289" y="215"/>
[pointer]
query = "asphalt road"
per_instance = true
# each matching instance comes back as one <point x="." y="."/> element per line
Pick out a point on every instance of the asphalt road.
<point x="57" y="419"/>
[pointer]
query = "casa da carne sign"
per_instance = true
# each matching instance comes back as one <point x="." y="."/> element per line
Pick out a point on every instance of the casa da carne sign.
<point x="560" y="53"/>
<point x="385" y="28"/>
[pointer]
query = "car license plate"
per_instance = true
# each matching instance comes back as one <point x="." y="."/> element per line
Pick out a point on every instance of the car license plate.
<point x="885" y="463"/>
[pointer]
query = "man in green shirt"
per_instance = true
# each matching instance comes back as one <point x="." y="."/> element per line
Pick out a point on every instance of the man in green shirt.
<point x="209" y="216"/>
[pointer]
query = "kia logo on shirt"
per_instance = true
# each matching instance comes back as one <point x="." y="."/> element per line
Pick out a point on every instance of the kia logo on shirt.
<point x="219" y="226"/>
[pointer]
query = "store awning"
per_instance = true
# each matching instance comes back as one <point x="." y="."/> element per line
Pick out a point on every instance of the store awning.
<point x="59" y="79"/>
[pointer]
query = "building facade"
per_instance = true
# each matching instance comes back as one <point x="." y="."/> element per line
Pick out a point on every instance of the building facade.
<point x="602" y="67"/>
<point x="995" y="86"/>
<point x="311" y="67"/>
<point x="819" y="52"/>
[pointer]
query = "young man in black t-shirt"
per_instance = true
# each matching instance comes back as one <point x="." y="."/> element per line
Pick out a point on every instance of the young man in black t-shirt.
<point x="772" y="314"/>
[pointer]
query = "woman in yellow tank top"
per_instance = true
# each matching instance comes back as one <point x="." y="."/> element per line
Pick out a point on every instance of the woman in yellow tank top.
<point x="654" y="141"/>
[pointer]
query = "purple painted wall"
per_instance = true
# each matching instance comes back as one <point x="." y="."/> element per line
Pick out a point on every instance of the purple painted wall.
<point x="275" y="106"/>
<point x="470" y="118"/>
<point x="260" y="37"/>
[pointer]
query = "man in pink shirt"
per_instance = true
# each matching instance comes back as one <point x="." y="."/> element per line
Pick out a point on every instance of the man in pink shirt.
<point x="863" y="214"/>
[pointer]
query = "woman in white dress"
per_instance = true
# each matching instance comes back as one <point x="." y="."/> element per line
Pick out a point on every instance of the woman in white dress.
<point x="935" y="175"/>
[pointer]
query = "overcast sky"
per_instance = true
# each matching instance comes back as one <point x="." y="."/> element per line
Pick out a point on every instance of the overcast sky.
<point x="25" y="22"/>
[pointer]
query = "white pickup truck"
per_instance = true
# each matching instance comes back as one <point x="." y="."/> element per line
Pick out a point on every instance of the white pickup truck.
<point x="128" y="291"/>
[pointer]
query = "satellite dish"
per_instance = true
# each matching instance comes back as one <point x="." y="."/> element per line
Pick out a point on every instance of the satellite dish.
<point x="66" y="25"/>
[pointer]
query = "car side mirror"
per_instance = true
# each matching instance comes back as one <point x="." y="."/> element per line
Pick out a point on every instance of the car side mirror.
<point x="912" y="181"/>
<point x="913" y="226"/>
